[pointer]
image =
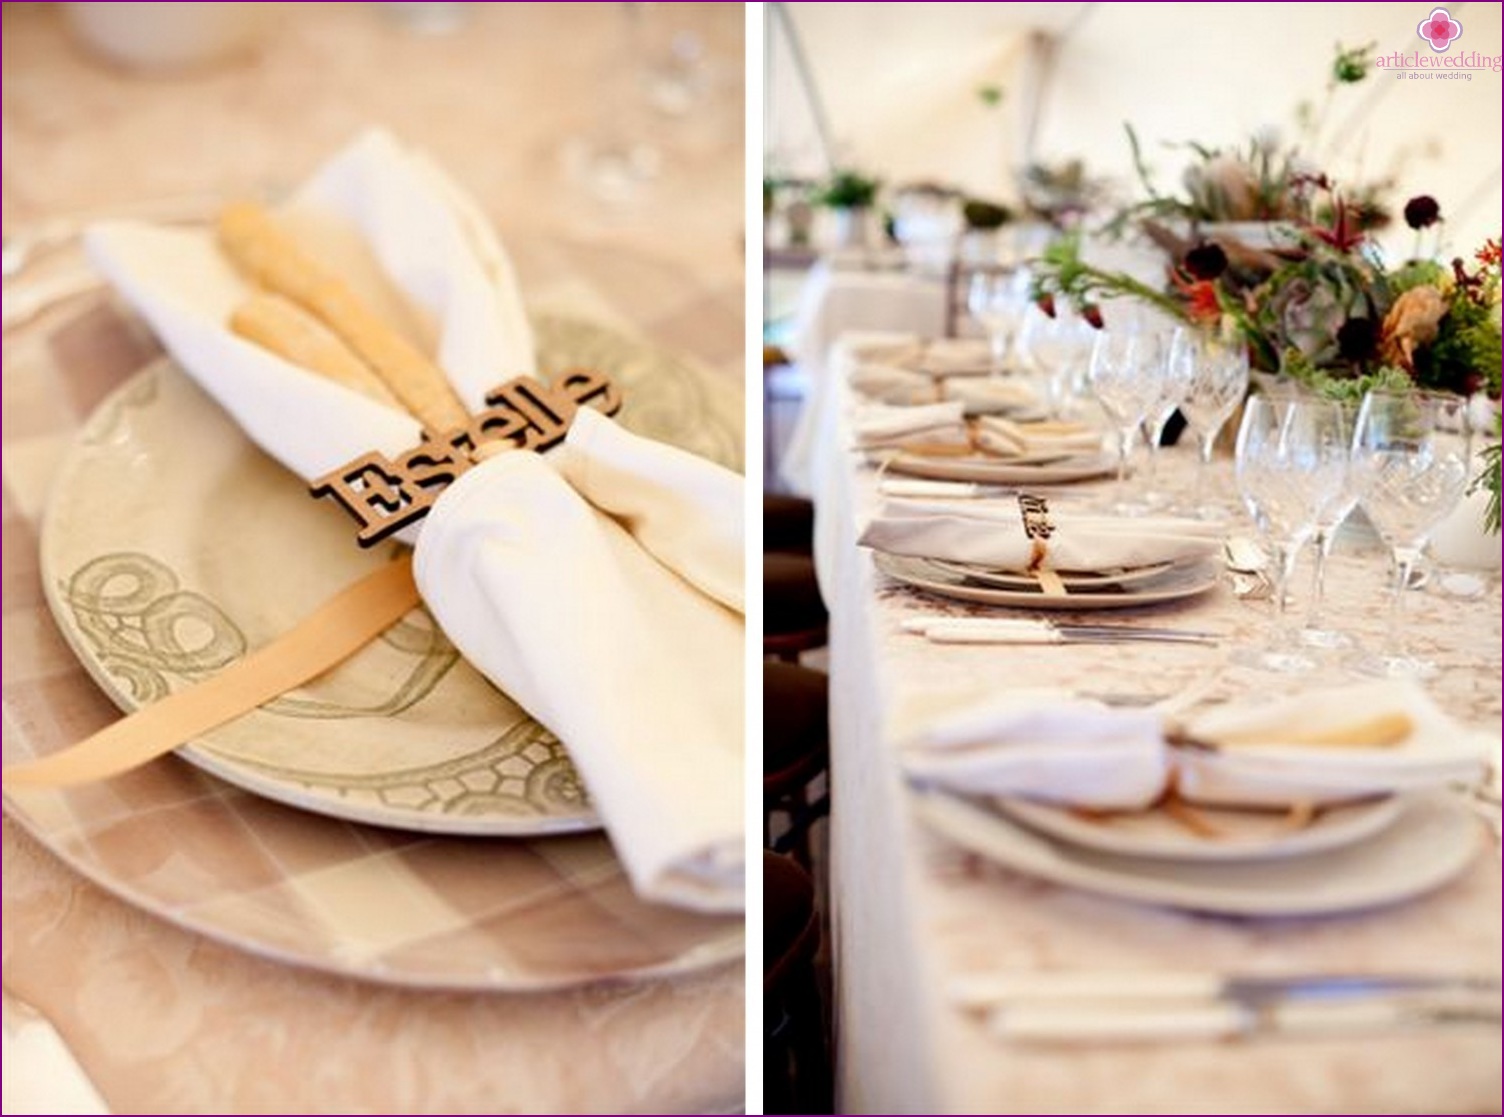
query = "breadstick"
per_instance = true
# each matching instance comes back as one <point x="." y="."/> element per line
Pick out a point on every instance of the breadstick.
<point x="1378" y="731"/>
<point x="283" y="327"/>
<point x="250" y="237"/>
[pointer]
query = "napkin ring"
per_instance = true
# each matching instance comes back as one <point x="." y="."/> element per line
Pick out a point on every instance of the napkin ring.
<point x="384" y="495"/>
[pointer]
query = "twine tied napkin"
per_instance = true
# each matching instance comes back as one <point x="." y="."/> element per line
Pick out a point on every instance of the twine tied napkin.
<point x="1007" y="537"/>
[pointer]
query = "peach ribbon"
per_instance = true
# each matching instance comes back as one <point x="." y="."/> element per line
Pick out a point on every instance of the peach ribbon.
<point x="332" y="633"/>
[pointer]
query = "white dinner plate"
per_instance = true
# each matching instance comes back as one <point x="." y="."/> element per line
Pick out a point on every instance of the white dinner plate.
<point x="1174" y="584"/>
<point x="1083" y="580"/>
<point x="171" y="545"/>
<point x="1433" y="840"/>
<point x="1048" y="469"/>
<point x="1241" y="835"/>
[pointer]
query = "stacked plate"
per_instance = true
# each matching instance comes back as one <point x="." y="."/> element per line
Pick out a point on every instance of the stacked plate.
<point x="1108" y="589"/>
<point x="1230" y="862"/>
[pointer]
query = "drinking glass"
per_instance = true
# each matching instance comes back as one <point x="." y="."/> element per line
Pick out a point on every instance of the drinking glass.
<point x="1219" y="382"/>
<point x="1057" y="351"/>
<point x="1174" y="386"/>
<point x="1410" y="456"/>
<point x="1328" y="520"/>
<point x="998" y="300"/>
<point x="1291" y="465"/>
<point x="1124" y="374"/>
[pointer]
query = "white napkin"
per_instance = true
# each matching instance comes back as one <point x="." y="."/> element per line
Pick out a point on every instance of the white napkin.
<point x="622" y="634"/>
<point x="600" y="587"/>
<point x="881" y="427"/>
<point x="1010" y="438"/>
<point x="387" y="218"/>
<point x="905" y="387"/>
<point x="1270" y="766"/>
<point x="993" y="536"/>
<point x="1044" y="745"/>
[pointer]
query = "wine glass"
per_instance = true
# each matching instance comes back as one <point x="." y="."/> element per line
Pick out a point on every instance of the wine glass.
<point x="1291" y="465"/>
<point x="1175" y="384"/>
<point x="1056" y="349"/>
<point x="997" y="300"/>
<point x="1410" y="458"/>
<point x="1218" y="383"/>
<point x="1124" y="375"/>
<point x="1328" y="520"/>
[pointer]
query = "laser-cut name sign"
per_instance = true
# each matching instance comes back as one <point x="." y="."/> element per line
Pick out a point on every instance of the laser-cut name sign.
<point x="384" y="495"/>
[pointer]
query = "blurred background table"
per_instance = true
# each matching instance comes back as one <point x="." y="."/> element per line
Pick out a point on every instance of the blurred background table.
<point x="163" y="1020"/>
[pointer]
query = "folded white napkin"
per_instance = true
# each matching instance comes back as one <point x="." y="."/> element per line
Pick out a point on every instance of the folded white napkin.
<point x="600" y="587"/>
<point x="1273" y="753"/>
<point x="993" y="536"/>
<point x="621" y="632"/>
<point x="1042" y="745"/>
<point x="893" y="384"/>
<point x="1010" y="438"/>
<point x="955" y="355"/>
<point x="881" y="427"/>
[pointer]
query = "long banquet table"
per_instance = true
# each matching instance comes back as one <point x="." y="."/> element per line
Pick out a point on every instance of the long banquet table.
<point x="912" y="913"/>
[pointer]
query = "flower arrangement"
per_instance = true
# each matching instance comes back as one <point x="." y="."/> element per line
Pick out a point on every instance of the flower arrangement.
<point x="1325" y="310"/>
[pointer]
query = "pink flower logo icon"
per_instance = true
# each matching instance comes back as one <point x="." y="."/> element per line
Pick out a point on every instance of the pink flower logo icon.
<point x="1439" y="29"/>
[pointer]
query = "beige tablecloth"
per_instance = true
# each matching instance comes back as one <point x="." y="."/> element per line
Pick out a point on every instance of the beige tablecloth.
<point x="164" y="1020"/>
<point x="912" y="912"/>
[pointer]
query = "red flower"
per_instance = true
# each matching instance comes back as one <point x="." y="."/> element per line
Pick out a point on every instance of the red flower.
<point x="1046" y="304"/>
<point x="1093" y="315"/>
<point x="1344" y="235"/>
<point x="1200" y="295"/>
<point x="1488" y="255"/>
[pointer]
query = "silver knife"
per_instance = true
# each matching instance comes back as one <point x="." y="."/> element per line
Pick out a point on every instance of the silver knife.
<point x="1020" y="630"/>
<point x="1149" y="1007"/>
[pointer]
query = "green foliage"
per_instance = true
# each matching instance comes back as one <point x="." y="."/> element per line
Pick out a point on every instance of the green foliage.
<point x="1351" y="65"/>
<point x="848" y="189"/>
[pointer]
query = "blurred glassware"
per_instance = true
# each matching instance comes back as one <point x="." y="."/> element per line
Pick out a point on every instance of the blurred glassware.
<point x="614" y="161"/>
<point x="426" y="18"/>
<point x="1291" y="465"/>
<point x="170" y="36"/>
<point x="998" y="300"/>
<point x="1329" y="519"/>
<point x="1219" y="384"/>
<point x="1056" y="351"/>
<point x="1410" y="457"/>
<point x="1124" y="374"/>
<point x="1174" y="386"/>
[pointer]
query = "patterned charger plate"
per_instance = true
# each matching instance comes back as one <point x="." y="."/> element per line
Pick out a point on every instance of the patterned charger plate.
<point x="170" y="546"/>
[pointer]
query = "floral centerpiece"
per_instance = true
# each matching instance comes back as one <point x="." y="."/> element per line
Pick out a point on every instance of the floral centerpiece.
<point x="1325" y="311"/>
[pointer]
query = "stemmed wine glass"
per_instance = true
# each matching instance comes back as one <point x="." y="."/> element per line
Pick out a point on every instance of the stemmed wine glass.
<point x="1218" y="383"/>
<point x="998" y="300"/>
<point x="1291" y="464"/>
<point x="1410" y="457"/>
<point x="1124" y="375"/>
<point x="1175" y="384"/>
<point x="1328" y="521"/>
<point x="1056" y="349"/>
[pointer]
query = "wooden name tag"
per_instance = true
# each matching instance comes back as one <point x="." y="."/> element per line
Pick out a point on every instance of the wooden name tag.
<point x="383" y="495"/>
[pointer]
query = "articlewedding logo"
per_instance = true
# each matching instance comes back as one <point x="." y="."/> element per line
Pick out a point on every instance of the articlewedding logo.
<point x="1440" y="30"/>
